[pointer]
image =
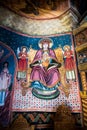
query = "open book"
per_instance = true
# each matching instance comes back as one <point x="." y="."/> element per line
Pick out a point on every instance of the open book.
<point x="52" y="64"/>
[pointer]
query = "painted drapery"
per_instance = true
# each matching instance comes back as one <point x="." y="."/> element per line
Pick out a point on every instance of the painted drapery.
<point x="69" y="92"/>
<point x="7" y="70"/>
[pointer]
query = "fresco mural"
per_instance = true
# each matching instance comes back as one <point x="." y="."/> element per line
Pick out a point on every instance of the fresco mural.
<point x="45" y="75"/>
<point x="5" y="81"/>
<point x="42" y="82"/>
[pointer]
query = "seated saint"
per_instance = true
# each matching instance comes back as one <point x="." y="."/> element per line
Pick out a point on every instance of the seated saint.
<point x="45" y="76"/>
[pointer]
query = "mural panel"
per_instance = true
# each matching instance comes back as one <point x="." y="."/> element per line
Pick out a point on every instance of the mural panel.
<point x="46" y="72"/>
<point x="7" y="70"/>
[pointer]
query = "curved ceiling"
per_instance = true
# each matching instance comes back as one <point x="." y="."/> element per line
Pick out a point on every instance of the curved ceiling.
<point x="47" y="22"/>
<point x="44" y="10"/>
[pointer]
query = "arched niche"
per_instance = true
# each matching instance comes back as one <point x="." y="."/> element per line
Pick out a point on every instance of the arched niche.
<point x="7" y="55"/>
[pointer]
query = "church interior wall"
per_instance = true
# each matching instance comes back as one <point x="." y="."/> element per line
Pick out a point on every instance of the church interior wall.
<point x="36" y="103"/>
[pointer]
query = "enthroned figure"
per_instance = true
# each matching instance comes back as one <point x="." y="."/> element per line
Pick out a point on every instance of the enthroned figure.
<point x="45" y="76"/>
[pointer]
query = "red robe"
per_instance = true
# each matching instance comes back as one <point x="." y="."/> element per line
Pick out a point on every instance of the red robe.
<point x="22" y="63"/>
<point x="69" y="61"/>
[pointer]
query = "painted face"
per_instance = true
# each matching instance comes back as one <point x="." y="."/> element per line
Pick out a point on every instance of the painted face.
<point x="24" y="49"/>
<point x="45" y="46"/>
<point x="6" y="65"/>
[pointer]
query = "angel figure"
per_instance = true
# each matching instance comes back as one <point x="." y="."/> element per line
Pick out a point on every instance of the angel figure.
<point x="69" y="63"/>
<point x="22" y="62"/>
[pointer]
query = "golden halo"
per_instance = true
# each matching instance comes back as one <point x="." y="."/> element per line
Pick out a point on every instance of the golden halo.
<point x="66" y="47"/>
<point x="44" y="40"/>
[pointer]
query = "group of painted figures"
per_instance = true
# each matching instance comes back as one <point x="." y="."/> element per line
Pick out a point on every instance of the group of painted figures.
<point x="45" y="76"/>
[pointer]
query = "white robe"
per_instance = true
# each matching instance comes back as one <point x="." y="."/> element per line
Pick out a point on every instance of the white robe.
<point x="5" y="81"/>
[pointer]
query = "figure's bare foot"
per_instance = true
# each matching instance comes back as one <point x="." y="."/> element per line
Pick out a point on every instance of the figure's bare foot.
<point x="25" y="87"/>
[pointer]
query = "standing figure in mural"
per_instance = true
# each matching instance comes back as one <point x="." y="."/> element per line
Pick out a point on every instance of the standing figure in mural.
<point x="69" y="63"/>
<point x="45" y="76"/>
<point x="22" y="63"/>
<point x="5" y="82"/>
